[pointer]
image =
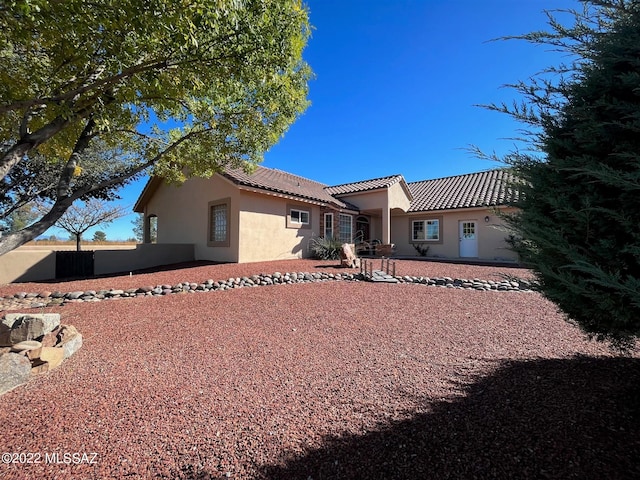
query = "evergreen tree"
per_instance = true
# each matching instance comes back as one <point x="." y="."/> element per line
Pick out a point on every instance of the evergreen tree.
<point x="577" y="226"/>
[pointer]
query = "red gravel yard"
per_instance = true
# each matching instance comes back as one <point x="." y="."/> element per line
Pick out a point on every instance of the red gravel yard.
<point x="331" y="380"/>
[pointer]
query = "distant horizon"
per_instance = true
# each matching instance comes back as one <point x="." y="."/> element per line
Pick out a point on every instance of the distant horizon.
<point x="84" y="240"/>
<point x="47" y="238"/>
<point x="396" y="91"/>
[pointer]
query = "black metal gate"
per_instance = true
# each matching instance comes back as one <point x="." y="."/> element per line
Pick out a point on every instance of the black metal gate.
<point x="74" y="264"/>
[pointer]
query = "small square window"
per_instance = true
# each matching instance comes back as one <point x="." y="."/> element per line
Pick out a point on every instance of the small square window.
<point x="300" y="216"/>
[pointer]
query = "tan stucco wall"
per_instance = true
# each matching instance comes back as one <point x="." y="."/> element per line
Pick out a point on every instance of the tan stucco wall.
<point x="257" y="223"/>
<point x="27" y="266"/>
<point x="379" y="204"/>
<point x="143" y="256"/>
<point x="398" y="197"/>
<point x="183" y="215"/>
<point x="373" y="200"/>
<point x="375" y="227"/>
<point x="392" y="197"/>
<point x="491" y="240"/>
<point x="36" y="265"/>
<point x="263" y="228"/>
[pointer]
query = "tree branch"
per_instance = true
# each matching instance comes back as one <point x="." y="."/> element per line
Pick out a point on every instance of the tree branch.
<point x="69" y="169"/>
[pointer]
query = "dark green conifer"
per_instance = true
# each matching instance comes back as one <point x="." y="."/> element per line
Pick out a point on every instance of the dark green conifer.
<point x="578" y="226"/>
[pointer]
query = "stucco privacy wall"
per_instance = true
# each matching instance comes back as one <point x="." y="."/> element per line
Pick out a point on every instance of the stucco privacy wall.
<point x="33" y="266"/>
<point x="266" y="233"/>
<point x="491" y="240"/>
<point x="183" y="215"/>
<point x="145" y="255"/>
<point x="27" y="266"/>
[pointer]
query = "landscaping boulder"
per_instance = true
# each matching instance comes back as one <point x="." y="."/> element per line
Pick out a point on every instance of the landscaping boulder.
<point x="18" y="327"/>
<point x="14" y="371"/>
<point x="70" y="340"/>
<point x="31" y="344"/>
<point x="30" y="348"/>
<point x="51" y="338"/>
<point x="347" y="257"/>
<point x="52" y="355"/>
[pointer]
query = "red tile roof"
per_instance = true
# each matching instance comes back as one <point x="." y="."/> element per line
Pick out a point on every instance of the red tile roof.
<point x="463" y="191"/>
<point x="286" y="183"/>
<point x="481" y="189"/>
<point x="373" y="184"/>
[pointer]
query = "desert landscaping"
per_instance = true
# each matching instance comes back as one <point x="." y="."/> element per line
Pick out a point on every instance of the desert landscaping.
<point x="324" y="379"/>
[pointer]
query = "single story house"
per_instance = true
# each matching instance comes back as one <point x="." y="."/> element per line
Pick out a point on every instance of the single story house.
<point x="271" y="214"/>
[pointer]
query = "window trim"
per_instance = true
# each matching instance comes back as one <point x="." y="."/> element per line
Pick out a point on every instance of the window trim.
<point x="290" y="223"/>
<point x="226" y="242"/>
<point x="300" y="216"/>
<point x="351" y="227"/>
<point x="149" y="228"/>
<point x="424" y="221"/>
<point x="331" y="232"/>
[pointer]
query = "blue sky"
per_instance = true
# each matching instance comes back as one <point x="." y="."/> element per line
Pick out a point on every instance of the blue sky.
<point x="395" y="88"/>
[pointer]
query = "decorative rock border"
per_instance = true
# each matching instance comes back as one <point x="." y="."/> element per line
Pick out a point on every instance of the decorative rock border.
<point x="49" y="299"/>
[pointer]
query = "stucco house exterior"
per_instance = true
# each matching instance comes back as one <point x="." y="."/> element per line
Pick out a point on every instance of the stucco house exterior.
<point x="271" y="214"/>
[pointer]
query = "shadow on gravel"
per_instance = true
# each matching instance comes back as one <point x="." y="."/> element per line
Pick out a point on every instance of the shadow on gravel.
<point x="565" y="419"/>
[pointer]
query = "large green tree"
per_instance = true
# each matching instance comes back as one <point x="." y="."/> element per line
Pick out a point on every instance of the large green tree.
<point x="577" y="226"/>
<point x="94" y="94"/>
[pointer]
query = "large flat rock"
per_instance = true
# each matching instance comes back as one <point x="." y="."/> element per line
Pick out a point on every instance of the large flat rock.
<point x="19" y="327"/>
<point x="14" y="371"/>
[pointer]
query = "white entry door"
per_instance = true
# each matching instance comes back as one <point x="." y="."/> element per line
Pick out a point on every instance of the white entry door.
<point x="468" y="238"/>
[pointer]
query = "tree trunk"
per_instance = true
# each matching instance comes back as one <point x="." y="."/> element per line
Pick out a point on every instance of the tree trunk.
<point x="14" y="240"/>
<point x="78" y="242"/>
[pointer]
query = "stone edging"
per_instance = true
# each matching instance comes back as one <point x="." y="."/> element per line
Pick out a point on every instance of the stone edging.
<point x="49" y="299"/>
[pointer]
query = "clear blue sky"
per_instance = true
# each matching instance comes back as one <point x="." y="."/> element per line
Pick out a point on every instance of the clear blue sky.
<point x="395" y="86"/>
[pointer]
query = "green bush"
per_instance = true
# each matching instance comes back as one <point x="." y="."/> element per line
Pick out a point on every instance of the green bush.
<point x="325" y="248"/>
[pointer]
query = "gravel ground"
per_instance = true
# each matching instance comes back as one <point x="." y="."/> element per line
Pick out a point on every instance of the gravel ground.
<point x="200" y="271"/>
<point x="336" y="380"/>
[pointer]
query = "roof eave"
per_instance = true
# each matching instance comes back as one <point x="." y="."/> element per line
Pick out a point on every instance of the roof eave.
<point x="281" y="194"/>
<point x="147" y="192"/>
<point x="457" y="209"/>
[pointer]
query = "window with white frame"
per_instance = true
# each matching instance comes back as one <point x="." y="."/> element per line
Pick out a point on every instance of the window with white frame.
<point x="425" y="230"/>
<point x="328" y="225"/>
<point x="300" y="217"/>
<point x="345" y="228"/>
